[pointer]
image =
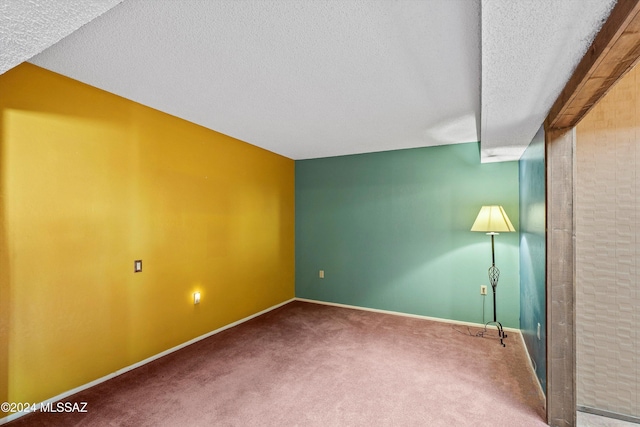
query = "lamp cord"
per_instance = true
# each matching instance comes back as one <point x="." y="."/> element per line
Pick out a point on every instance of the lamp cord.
<point x="482" y="333"/>
<point x="484" y="298"/>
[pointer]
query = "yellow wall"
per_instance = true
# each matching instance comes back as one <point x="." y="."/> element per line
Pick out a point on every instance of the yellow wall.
<point x="91" y="182"/>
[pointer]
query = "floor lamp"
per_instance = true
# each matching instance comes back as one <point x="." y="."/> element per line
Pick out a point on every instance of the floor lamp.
<point x="493" y="220"/>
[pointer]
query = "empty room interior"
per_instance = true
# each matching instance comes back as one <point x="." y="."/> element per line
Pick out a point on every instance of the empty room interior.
<point x="319" y="213"/>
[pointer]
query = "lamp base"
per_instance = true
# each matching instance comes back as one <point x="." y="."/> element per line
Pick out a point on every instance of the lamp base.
<point x="501" y="332"/>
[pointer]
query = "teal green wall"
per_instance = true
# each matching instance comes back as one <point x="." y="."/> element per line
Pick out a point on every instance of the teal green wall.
<point x="391" y="232"/>
<point x="533" y="253"/>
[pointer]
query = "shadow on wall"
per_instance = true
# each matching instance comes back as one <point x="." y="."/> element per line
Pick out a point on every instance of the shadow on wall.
<point x="533" y="253"/>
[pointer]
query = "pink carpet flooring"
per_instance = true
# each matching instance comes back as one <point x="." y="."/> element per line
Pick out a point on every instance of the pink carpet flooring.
<point x="314" y="365"/>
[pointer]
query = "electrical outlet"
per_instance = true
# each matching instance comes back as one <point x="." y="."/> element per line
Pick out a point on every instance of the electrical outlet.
<point x="483" y="289"/>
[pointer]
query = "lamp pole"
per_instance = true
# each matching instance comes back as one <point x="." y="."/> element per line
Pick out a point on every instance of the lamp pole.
<point x="494" y="275"/>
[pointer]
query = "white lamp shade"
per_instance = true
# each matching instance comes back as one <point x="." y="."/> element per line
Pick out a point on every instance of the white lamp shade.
<point x="492" y="219"/>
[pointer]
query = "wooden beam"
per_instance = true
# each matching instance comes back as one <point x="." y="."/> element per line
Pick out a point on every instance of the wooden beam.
<point x="614" y="51"/>
<point x="561" y="343"/>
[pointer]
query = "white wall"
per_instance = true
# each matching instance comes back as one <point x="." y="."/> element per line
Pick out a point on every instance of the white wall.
<point x="607" y="225"/>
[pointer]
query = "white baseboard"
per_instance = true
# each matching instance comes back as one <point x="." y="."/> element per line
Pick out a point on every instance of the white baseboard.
<point x="533" y="369"/>
<point x="141" y="363"/>
<point x="399" y="313"/>
<point x="609" y="414"/>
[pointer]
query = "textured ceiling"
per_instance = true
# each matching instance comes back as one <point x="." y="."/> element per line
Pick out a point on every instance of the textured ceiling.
<point x="310" y="79"/>
<point x="529" y="51"/>
<point x="29" y="26"/>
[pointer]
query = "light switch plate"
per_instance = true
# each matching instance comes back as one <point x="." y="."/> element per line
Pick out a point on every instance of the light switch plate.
<point x="137" y="266"/>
